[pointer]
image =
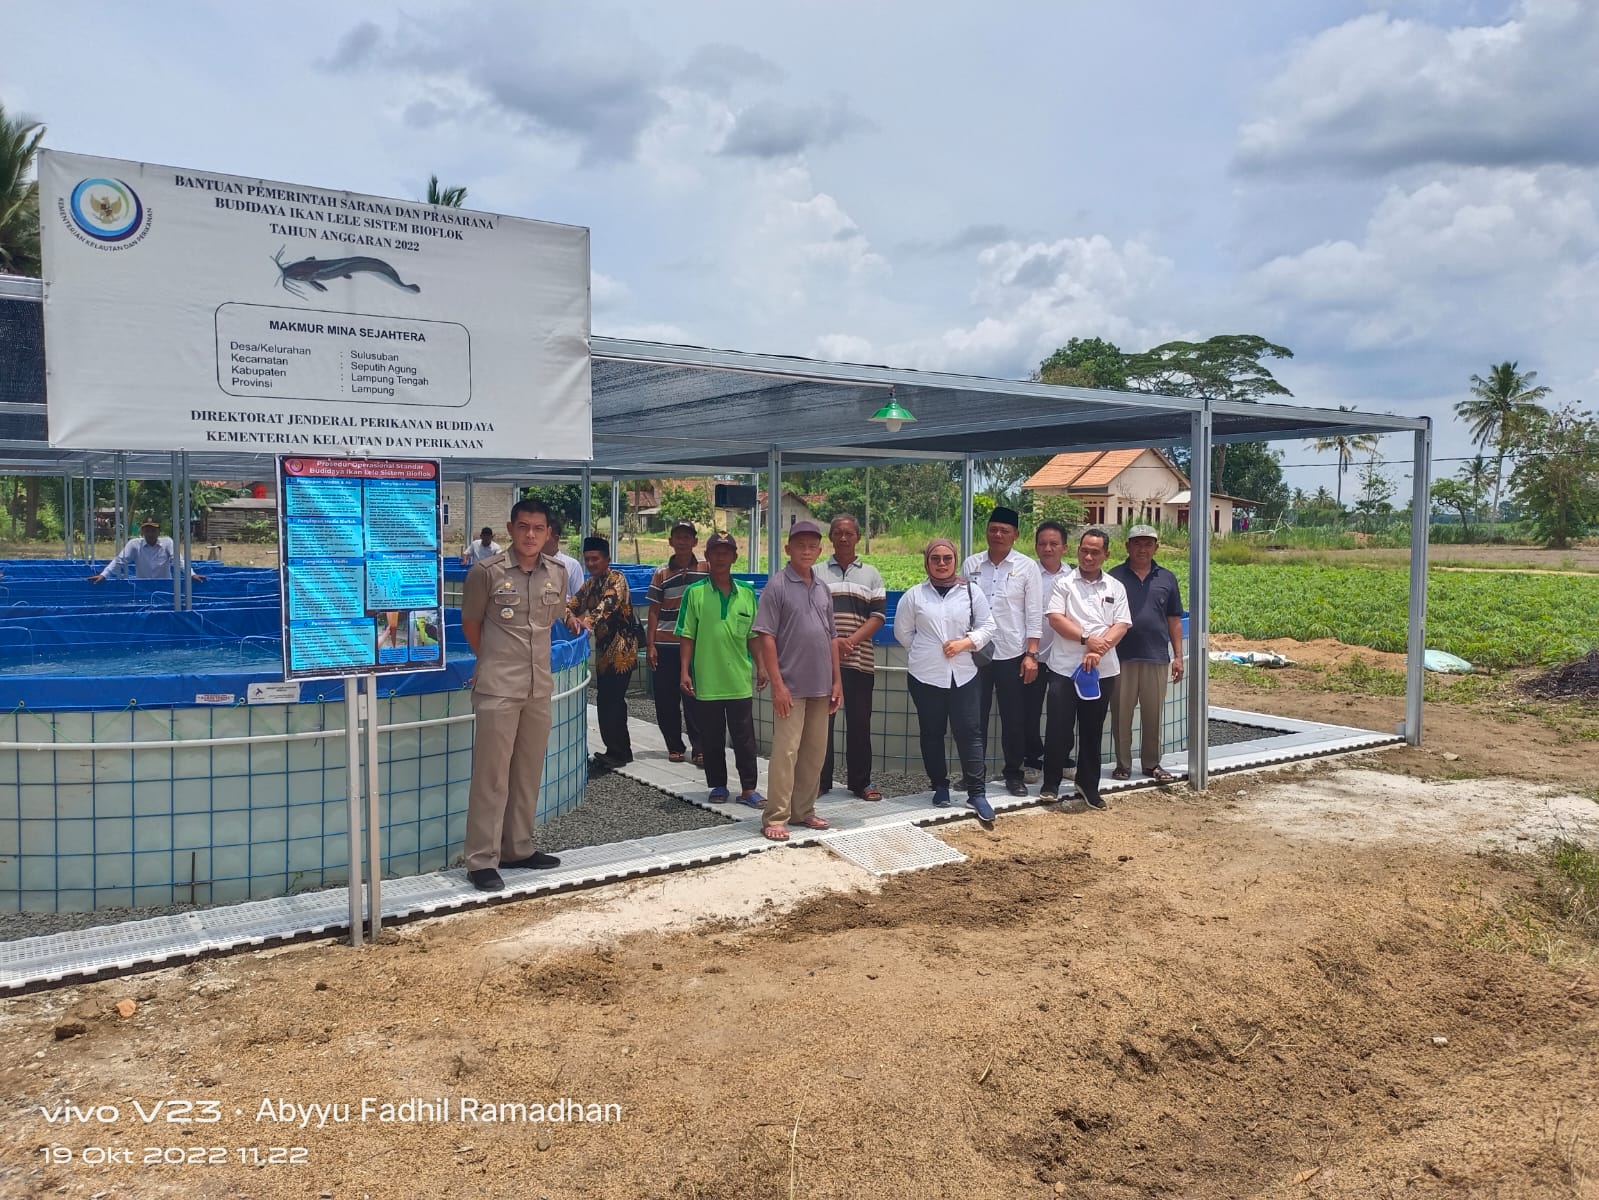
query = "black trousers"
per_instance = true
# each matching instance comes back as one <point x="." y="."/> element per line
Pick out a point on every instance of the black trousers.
<point x="857" y="732"/>
<point x="954" y="709"/>
<point x="737" y="719"/>
<point x="1002" y="679"/>
<point x="668" y="688"/>
<point x="1033" y="713"/>
<point x="611" y="702"/>
<point x="1068" y="714"/>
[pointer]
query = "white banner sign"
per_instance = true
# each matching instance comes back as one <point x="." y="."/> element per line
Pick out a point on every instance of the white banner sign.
<point x="186" y="310"/>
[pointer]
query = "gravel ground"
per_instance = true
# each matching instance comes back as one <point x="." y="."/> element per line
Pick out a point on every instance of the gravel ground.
<point x="615" y="808"/>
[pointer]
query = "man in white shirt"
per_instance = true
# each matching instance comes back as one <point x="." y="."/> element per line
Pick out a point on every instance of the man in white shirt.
<point x="1010" y="582"/>
<point x="1049" y="541"/>
<point x="149" y="557"/>
<point x="484" y="547"/>
<point x="1088" y="615"/>
<point x="574" y="569"/>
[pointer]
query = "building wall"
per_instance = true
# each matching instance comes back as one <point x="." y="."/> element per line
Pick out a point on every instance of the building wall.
<point x="491" y="506"/>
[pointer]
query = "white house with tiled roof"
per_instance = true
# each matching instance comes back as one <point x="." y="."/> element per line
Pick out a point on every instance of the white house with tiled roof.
<point x="1120" y="487"/>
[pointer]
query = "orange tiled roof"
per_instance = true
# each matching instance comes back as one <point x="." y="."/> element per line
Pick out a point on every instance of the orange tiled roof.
<point x="1111" y="464"/>
<point x="1063" y="469"/>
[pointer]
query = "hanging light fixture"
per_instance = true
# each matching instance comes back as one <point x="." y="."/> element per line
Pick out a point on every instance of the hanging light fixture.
<point x="893" y="414"/>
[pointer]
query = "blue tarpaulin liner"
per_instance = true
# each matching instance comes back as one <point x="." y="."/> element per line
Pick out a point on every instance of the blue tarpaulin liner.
<point x="113" y="660"/>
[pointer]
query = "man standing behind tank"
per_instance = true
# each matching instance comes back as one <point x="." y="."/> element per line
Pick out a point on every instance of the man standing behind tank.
<point x="1009" y="580"/>
<point x="860" y="607"/>
<point x="1155" y="602"/>
<point x="507" y="608"/>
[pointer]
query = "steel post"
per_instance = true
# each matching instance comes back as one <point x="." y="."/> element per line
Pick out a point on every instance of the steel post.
<point x="1416" y="636"/>
<point x="1199" y="601"/>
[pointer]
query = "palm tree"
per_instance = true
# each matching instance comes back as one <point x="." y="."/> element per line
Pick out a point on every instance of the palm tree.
<point x="450" y="197"/>
<point x="1497" y="412"/>
<point x="19" y="195"/>
<point x="1477" y="475"/>
<point x="1347" y="445"/>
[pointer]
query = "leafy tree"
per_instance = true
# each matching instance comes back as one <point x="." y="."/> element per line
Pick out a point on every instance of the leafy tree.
<point x="1068" y="510"/>
<point x="680" y="503"/>
<point x="1557" y="478"/>
<point x="1224" y="367"/>
<point x="1085" y="362"/>
<point x="19" y="195"/>
<point x="1458" y="497"/>
<point x="450" y="197"/>
<point x="1347" y="446"/>
<point x="1477" y="475"/>
<point x="1376" y="490"/>
<point x="1253" y="471"/>
<point x="1498" y="413"/>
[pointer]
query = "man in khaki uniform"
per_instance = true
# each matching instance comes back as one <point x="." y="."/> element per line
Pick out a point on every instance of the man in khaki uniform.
<point x="509" y="604"/>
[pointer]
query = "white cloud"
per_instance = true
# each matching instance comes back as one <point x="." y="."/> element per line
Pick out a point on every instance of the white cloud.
<point x="607" y="293"/>
<point x="1475" y="254"/>
<point x="1033" y="296"/>
<point x="1380" y="92"/>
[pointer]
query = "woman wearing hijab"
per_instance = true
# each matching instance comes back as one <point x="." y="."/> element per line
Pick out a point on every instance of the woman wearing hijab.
<point x="940" y="622"/>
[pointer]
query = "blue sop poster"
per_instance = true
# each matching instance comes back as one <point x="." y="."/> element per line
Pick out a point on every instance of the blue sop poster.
<point x="362" y="580"/>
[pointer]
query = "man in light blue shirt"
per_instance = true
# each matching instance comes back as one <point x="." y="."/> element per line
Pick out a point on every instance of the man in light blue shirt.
<point x="148" y="557"/>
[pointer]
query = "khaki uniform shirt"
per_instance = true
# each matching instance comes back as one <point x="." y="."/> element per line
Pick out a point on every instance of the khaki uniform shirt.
<point x="516" y="608"/>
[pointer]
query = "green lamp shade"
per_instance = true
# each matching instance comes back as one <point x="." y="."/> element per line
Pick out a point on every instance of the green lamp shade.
<point x="893" y="415"/>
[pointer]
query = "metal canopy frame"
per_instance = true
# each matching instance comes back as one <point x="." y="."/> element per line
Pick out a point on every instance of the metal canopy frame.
<point x="664" y="409"/>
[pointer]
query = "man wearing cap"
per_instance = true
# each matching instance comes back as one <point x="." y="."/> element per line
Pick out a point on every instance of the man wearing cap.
<point x="799" y="654"/>
<point x="1087" y="615"/>
<point x="1156" y="605"/>
<point x="508" y="606"/>
<point x="667" y="586"/>
<point x="1049" y="543"/>
<point x="1009" y="580"/>
<point x="715" y="623"/>
<point x="602" y="607"/>
<point x="860" y="608"/>
<point x="150" y="556"/>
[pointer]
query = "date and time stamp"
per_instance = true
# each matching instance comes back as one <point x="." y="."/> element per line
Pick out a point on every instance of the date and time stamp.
<point x="187" y="1118"/>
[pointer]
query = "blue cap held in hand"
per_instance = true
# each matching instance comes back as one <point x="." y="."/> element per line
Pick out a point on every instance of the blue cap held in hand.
<point x="1086" y="681"/>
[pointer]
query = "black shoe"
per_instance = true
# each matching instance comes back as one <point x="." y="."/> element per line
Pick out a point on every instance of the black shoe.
<point x="487" y="880"/>
<point x="1016" y="787"/>
<point x="537" y="861"/>
<point x="599" y="764"/>
<point x="1096" y="802"/>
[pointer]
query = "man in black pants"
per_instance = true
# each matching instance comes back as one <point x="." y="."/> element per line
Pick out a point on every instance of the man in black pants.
<point x="667" y="586"/>
<point x="860" y="607"/>
<point x="602" y="607"/>
<point x="1087" y="616"/>
<point x="1009" y="579"/>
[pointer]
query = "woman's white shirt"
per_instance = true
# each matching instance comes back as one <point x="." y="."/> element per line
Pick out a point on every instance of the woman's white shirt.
<point x="924" y="621"/>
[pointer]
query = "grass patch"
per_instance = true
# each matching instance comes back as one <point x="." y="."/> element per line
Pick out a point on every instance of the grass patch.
<point x="1569" y="885"/>
<point x="1558" y="924"/>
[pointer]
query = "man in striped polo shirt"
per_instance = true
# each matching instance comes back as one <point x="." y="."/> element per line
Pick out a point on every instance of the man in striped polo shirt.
<point x="860" y="607"/>
<point x="663" y="653"/>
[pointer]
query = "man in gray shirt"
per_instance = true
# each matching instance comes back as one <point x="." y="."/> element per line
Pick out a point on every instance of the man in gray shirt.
<point x="794" y="625"/>
<point x="1156" y="603"/>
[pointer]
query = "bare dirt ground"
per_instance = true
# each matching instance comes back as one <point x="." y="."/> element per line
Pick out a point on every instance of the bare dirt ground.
<point x="1304" y="983"/>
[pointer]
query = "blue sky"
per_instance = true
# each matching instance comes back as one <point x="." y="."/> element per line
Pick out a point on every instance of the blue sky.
<point x="1401" y="194"/>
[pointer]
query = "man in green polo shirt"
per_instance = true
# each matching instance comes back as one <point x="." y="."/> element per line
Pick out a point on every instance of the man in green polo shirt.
<point x="714" y="625"/>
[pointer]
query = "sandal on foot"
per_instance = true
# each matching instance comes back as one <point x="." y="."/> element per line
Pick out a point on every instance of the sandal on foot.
<point x="812" y="823"/>
<point x="1121" y="773"/>
<point x="674" y="756"/>
<point x="869" y="792"/>
<point x="1162" y="775"/>
<point x="775" y="833"/>
<point x="698" y="759"/>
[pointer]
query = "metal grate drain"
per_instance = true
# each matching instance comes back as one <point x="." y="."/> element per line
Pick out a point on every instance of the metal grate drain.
<point x="888" y="851"/>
